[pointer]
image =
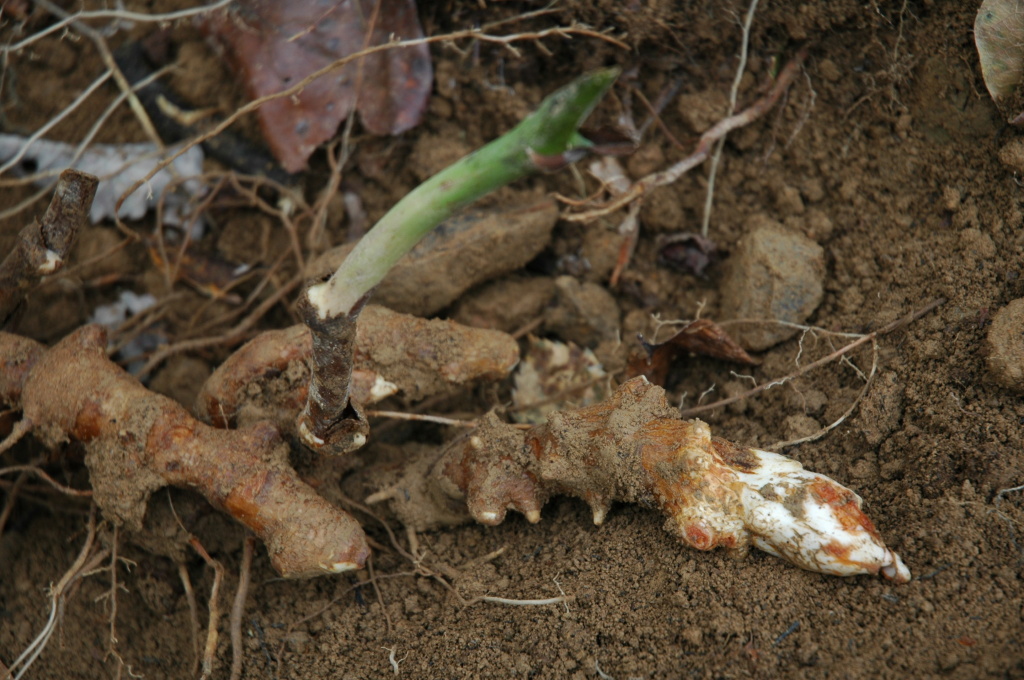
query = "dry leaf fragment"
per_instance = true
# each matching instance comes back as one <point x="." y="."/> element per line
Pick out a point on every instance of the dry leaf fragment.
<point x="687" y="252"/>
<point x="703" y="337"/>
<point x="274" y="45"/>
<point x="553" y="375"/>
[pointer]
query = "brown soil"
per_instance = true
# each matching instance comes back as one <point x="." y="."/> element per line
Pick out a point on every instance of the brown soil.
<point x="886" y="152"/>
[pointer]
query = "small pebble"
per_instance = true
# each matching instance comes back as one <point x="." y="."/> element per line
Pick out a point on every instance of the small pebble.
<point x="977" y="244"/>
<point x="798" y="426"/>
<point x="773" y="274"/>
<point x="829" y="70"/>
<point x="1012" y="155"/>
<point x="297" y="641"/>
<point x="813" y="190"/>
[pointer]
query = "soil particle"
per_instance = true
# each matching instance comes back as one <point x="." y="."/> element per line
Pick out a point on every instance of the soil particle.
<point x="100" y="253"/>
<point x="647" y="159"/>
<point x="433" y="153"/>
<point x="773" y="274"/>
<point x="702" y="110"/>
<point x="882" y="411"/>
<point x="788" y="201"/>
<point x="798" y="426"/>
<point x="600" y="250"/>
<point x="977" y="245"/>
<point x="817" y="225"/>
<point x="662" y="211"/>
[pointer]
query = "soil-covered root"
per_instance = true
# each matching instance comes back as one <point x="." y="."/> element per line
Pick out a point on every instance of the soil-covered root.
<point x="137" y="441"/>
<point x="268" y="378"/>
<point x="633" y="448"/>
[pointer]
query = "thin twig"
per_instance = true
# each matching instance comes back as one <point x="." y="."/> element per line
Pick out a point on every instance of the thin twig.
<point x="113" y="589"/>
<point x="210" y="651"/>
<point x="12" y="498"/>
<point x="441" y="420"/>
<point x="380" y="595"/>
<point x="193" y="611"/>
<point x="392" y="652"/>
<point x="672" y="174"/>
<point x="238" y="608"/>
<point x="47" y="478"/>
<point x="94" y="129"/>
<point x="20" y="429"/>
<point x="518" y="603"/>
<point x="870" y="337"/>
<point x="868" y="382"/>
<point x="116" y="14"/>
<point x="82" y="565"/>
<point x="230" y="337"/>
<point x="421" y="569"/>
<point x="52" y="122"/>
<point x="733" y="95"/>
<point x="655" y="112"/>
<point x="107" y="57"/>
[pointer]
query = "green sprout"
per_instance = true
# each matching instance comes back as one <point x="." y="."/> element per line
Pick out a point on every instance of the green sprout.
<point x="546" y="140"/>
<point x="549" y="135"/>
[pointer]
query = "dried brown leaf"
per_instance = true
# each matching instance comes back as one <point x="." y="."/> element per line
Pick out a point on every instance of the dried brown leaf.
<point x="274" y="45"/>
<point x="702" y="337"/>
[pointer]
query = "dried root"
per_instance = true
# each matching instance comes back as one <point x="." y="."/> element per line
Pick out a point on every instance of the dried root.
<point x="43" y="246"/>
<point x="137" y="442"/>
<point x="633" y="448"/>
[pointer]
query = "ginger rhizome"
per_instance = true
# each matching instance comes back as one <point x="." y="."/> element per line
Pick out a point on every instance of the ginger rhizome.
<point x="269" y="377"/>
<point x="137" y="442"/>
<point x="633" y="448"/>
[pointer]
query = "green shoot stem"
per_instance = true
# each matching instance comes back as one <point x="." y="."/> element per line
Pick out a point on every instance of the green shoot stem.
<point x="547" y="139"/>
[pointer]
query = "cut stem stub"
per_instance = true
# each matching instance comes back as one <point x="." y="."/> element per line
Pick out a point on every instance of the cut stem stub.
<point x="546" y="140"/>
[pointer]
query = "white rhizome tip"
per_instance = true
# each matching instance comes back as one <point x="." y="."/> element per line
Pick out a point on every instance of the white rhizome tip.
<point x="812" y="521"/>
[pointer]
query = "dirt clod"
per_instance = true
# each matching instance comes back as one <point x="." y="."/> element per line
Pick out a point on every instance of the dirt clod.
<point x="507" y="304"/>
<point x="583" y="313"/>
<point x="1005" y="347"/>
<point x="1012" y="155"/>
